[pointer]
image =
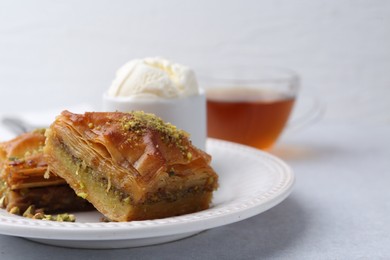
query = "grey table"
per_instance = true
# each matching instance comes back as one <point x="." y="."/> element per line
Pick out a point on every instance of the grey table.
<point x="339" y="208"/>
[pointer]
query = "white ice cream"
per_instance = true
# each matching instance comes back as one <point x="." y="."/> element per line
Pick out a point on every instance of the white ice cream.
<point x="164" y="88"/>
<point x="153" y="78"/>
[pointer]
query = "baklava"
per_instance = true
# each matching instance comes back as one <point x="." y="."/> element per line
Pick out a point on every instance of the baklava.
<point x="130" y="166"/>
<point x="25" y="180"/>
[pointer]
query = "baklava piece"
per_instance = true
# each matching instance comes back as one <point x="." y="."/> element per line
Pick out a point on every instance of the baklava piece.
<point x="25" y="181"/>
<point x="130" y="166"/>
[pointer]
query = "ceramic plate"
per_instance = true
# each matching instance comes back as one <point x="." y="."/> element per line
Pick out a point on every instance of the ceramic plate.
<point x="251" y="182"/>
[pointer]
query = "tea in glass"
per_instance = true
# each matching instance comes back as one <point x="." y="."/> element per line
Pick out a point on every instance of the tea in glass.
<point x="251" y="110"/>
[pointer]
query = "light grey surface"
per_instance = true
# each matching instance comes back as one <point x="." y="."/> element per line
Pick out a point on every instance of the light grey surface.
<point x="338" y="210"/>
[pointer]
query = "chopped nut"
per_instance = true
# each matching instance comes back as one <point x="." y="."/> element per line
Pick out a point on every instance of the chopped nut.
<point x="15" y="210"/>
<point x="77" y="170"/>
<point x="47" y="174"/>
<point x="29" y="212"/>
<point x="126" y="200"/>
<point x="71" y="218"/>
<point x="58" y="218"/>
<point x="140" y="121"/>
<point x="33" y="213"/>
<point x="2" y="199"/>
<point x="47" y="217"/>
<point x="38" y="215"/>
<point x="82" y="195"/>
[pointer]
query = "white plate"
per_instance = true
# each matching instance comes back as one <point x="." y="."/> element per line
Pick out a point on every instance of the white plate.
<point x="250" y="181"/>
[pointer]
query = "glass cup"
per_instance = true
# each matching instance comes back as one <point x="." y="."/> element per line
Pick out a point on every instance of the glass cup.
<point x="250" y="106"/>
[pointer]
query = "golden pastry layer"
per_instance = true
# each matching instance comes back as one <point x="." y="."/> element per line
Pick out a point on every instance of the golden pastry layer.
<point x="130" y="166"/>
<point x="25" y="179"/>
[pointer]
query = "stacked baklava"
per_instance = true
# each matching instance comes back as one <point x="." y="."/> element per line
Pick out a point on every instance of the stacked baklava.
<point x="26" y="181"/>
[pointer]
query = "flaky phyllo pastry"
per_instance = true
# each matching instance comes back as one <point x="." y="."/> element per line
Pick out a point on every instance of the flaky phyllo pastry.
<point x="130" y="166"/>
<point x="26" y="181"/>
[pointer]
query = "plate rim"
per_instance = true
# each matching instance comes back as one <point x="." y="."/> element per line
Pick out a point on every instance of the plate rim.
<point x="97" y="231"/>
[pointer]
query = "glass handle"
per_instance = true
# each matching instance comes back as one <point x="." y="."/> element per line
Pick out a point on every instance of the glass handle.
<point x="313" y="112"/>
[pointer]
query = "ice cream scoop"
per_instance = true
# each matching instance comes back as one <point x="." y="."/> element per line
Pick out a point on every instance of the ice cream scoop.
<point x="154" y="78"/>
<point x="164" y="88"/>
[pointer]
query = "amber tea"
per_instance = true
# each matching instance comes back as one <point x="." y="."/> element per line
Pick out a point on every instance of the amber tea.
<point x="254" y="117"/>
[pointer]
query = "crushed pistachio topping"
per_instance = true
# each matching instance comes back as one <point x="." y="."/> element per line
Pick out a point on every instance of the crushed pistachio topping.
<point x="170" y="134"/>
<point x="28" y="153"/>
<point x="141" y="120"/>
<point x="15" y="210"/>
<point x="38" y="215"/>
<point x="33" y="213"/>
<point x="77" y="170"/>
<point x="47" y="173"/>
<point x="65" y="217"/>
<point x="171" y="172"/>
<point x="29" y="212"/>
<point x="108" y="185"/>
<point x="38" y="150"/>
<point x="3" y="188"/>
<point x="82" y="195"/>
<point x="2" y="199"/>
<point x="126" y="200"/>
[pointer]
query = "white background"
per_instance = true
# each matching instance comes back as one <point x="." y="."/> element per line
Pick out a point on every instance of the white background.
<point x="60" y="53"/>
